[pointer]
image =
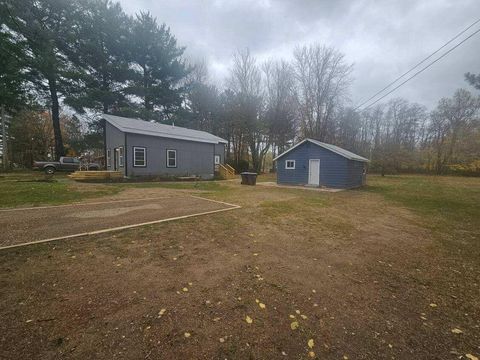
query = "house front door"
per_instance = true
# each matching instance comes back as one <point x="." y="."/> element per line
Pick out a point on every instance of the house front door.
<point x="314" y="172"/>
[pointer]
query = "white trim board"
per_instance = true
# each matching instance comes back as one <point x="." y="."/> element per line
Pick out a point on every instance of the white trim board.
<point x="118" y="228"/>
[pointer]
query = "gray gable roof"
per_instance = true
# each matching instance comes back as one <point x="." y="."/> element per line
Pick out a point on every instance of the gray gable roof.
<point x="137" y="126"/>
<point x="338" y="150"/>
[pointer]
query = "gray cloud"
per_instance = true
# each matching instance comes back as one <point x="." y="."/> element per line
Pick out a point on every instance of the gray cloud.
<point x="383" y="38"/>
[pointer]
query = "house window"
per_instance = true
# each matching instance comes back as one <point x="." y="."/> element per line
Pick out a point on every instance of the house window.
<point x="217" y="159"/>
<point x="171" y="158"/>
<point x="290" y="164"/>
<point x="109" y="158"/>
<point x="120" y="156"/>
<point x="139" y="156"/>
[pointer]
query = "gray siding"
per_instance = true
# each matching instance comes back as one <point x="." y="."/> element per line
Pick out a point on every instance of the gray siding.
<point x="336" y="171"/>
<point x="114" y="138"/>
<point x="220" y="150"/>
<point x="193" y="158"/>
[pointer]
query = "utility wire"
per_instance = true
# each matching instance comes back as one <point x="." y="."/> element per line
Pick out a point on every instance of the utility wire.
<point x="423" y="69"/>
<point x="420" y="63"/>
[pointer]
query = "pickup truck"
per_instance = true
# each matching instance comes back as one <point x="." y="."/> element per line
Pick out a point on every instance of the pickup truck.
<point x="65" y="164"/>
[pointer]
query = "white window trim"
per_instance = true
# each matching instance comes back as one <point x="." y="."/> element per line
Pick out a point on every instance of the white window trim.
<point x="289" y="167"/>
<point x="144" y="149"/>
<point x="175" y="152"/>
<point x="121" y="155"/>
<point x="215" y="159"/>
<point x="109" y="158"/>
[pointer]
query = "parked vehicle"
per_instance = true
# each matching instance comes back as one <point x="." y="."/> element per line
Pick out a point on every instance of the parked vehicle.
<point x="66" y="163"/>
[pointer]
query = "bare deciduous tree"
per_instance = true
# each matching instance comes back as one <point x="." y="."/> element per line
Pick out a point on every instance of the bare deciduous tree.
<point x="323" y="78"/>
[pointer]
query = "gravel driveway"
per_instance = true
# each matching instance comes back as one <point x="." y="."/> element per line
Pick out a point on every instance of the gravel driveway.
<point x="21" y="226"/>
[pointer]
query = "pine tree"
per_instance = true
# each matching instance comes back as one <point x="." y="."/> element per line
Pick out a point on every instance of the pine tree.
<point x="160" y="68"/>
<point x="12" y="72"/>
<point x="47" y="29"/>
<point x="101" y="56"/>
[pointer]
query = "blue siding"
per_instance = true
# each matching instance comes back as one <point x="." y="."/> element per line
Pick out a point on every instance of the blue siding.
<point x="336" y="171"/>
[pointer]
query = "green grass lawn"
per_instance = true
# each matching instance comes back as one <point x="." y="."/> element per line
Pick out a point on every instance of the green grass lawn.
<point x="448" y="205"/>
<point x="33" y="189"/>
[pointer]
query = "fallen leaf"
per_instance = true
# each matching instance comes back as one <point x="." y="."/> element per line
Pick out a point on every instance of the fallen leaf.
<point x="255" y="254"/>
<point x="314" y="291"/>
<point x="161" y="312"/>
<point x="294" y="325"/>
<point x="248" y="319"/>
<point x="292" y="316"/>
<point x="185" y="289"/>
<point x="471" y="357"/>
<point x="311" y="343"/>
<point x="345" y="357"/>
<point x="297" y="311"/>
<point x="190" y="284"/>
<point x="187" y="335"/>
<point x="433" y="305"/>
<point x="262" y="306"/>
<point x="257" y="301"/>
<point x="221" y="340"/>
<point x="304" y="317"/>
<point x="311" y="354"/>
<point x="147" y="328"/>
<point x="457" y="331"/>
<point x="216" y="319"/>
<point x="29" y="320"/>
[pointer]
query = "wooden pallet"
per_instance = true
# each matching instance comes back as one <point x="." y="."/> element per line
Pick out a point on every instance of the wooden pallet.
<point x="96" y="175"/>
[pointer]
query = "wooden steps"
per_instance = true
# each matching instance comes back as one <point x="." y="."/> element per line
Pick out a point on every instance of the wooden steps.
<point x="226" y="172"/>
<point x="96" y="175"/>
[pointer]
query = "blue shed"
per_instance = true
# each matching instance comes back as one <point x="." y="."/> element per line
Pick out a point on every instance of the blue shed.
<point x="315" y="163"/>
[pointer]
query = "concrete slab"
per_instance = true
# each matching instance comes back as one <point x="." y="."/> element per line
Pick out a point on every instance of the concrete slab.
<point x="273" y="184"/>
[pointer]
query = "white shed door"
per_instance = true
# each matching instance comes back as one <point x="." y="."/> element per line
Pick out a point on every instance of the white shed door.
<point x="314" y="172"/>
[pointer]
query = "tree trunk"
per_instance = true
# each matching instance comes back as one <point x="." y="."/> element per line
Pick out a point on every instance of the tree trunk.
<point x="4" y="140"/>
<point x="59" y="149"/>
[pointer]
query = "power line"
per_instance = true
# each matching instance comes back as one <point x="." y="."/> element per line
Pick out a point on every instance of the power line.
<point x="420" y="63"/>
<point x="423" y="69"/>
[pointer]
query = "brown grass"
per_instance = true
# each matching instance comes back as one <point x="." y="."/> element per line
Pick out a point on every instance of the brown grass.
<point x="362" y="266"/>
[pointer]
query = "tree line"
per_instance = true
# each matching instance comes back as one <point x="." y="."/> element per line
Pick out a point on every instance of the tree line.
<point x="90" y="57"/>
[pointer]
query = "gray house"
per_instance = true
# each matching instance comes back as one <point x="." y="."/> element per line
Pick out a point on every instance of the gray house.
<point x="141" y="148"/>
<point x="315" y="163"/>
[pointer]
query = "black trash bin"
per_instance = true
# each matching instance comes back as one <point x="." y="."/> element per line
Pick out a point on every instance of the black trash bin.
<point x="249" y="178"/>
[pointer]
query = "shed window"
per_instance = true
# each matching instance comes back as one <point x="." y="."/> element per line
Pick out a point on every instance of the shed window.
<point x="171" y="158"/>
<point x="139" y="156"/>
<point x="109" y="157"/>
<point x="120" y="156"/>
<point x="290" y="164"/>
<point x="217" y="159"/>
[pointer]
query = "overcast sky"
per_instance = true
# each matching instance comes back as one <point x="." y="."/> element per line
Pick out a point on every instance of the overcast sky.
<point x="382" y="38"/>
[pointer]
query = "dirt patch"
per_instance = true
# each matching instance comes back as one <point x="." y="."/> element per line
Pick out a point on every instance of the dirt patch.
<point x="357" y="274"/>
